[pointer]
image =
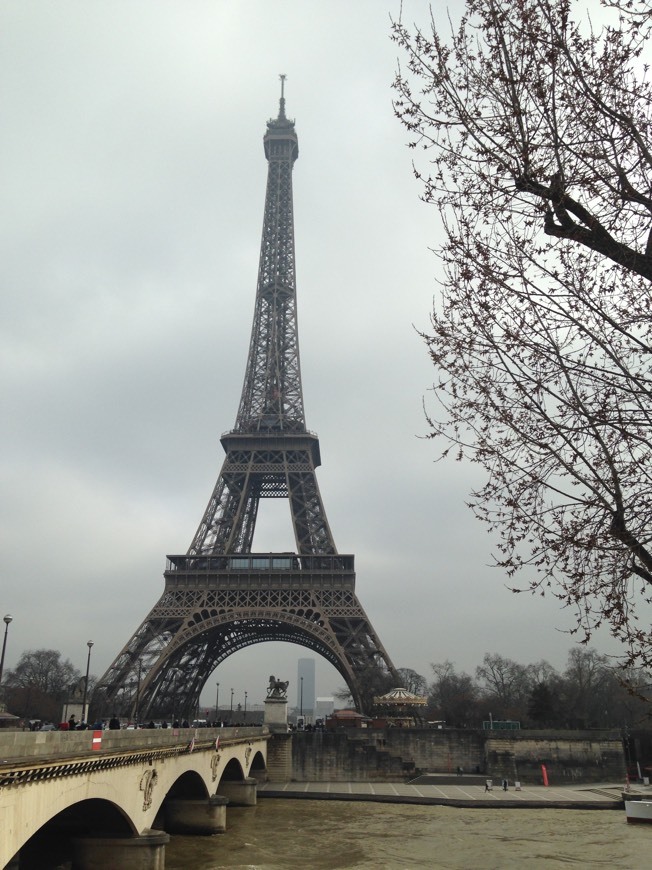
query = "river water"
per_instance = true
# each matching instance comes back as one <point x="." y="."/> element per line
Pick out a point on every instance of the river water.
<point x="340" y="835"/>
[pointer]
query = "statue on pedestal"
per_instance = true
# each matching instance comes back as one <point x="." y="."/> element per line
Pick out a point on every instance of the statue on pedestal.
<point x="277" y="688"/>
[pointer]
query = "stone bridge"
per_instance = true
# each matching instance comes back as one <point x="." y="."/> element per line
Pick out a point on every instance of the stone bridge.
<point x="110" y="799"/>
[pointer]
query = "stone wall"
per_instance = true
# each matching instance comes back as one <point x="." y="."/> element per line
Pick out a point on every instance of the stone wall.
<point x="399" y="754"/>
<point x="324" y="756"/>
<point x="437" y="751"/>
<point x="569" y="756"/>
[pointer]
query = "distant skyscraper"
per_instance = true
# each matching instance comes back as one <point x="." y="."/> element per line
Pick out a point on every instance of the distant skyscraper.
<point x="306" y="673"/>
<point x="324" y="707"/>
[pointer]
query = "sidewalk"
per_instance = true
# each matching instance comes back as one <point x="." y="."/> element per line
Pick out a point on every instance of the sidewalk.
<point x="606" y="796"/>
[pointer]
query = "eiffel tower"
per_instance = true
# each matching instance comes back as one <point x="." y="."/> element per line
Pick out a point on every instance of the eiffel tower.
<point x="220" y="597"/>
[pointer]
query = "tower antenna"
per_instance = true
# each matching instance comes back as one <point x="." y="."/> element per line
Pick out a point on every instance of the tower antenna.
<point x="281" y="112"/>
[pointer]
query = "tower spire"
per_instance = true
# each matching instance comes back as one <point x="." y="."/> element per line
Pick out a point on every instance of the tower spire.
<point x="281" y="110"/>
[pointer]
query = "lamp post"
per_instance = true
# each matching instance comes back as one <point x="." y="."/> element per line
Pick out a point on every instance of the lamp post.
<point x="217" y="700"/>
<point x="301" y="698"/>
<point x="245" y="709"/>
<point x="89" y="644"/>
<point x="7" y="619"/>
<point x="138" y="694"/>
<point x="231" y="720"/>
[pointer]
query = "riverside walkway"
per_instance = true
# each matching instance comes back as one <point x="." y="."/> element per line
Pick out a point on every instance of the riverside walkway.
<point x="594" y="796"/>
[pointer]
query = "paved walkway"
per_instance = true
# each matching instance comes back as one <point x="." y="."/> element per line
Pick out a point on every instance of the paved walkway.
<point x="587" y="796"/>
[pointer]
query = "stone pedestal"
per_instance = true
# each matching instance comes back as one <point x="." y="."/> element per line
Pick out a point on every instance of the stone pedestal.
<point x="143" y="852"/>
<point x="241" y="793"/>
<point x="276" y="715"/>
<point x="72" y="708"/>
<point x="196" y="816"/>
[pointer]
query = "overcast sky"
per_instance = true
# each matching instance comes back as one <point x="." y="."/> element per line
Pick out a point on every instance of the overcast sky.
<point x="132" y="185"/>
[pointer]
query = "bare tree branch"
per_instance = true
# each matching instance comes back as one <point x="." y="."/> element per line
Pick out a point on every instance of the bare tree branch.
<point x="534" y="130"/>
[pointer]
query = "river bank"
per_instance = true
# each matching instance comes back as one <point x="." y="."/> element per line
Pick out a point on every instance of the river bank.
<point x="594" y="796"/>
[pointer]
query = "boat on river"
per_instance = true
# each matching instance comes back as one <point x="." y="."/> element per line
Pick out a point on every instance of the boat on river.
<point x="639" y="811"/>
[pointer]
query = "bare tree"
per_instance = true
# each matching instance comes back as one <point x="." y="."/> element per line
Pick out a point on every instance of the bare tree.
<point x="536" y="131"/>
<point x="412" y="681"/>
<point x="506" y="685"/>
<point x="453" y="696"/>
<point x="541" y="673"/>
<point x="40" y="683"/>
<point x="592" y="693"/>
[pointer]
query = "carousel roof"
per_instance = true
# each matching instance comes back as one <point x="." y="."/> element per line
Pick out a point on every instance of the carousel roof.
<point x="400" y="698"/>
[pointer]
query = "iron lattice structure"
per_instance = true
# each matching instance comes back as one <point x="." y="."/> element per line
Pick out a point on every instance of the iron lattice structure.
<point x="220" y="597"/>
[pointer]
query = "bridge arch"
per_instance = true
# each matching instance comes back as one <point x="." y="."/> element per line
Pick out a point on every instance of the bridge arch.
<point x="50" y="844"/>
<point x="258" y="768"/>
<point x="233" y="772"/>
<point x="189" y="785"/>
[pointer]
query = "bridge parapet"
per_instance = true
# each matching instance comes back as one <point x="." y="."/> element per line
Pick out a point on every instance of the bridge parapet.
<point x="71" y="744"/>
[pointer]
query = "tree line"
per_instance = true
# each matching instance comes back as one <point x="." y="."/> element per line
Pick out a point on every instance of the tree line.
<point x="588" y="693"/>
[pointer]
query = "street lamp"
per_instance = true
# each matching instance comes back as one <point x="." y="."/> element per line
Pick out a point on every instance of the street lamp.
<point x="217" y="701"/>
<point x="138" y="693"/>
<point x="89" y="644"/>
<point x="231" y="707"/>
<point x="245" y="709"/>
<point x="7" y="620"/>
<point x="301" y="698"/>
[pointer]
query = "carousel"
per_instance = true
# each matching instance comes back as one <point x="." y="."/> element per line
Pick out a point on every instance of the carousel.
<point x="400" y="708"/>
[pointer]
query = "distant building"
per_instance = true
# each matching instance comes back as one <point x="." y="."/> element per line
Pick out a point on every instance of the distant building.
<point x="324" y="707"/>
<point x="306" y="686"/>
<point x="346" y="719"/>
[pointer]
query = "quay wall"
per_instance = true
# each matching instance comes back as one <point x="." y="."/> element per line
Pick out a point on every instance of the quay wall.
<point x="399" y="754"/>
<point x="323" y="756"/>
<point x="568" y="756"/>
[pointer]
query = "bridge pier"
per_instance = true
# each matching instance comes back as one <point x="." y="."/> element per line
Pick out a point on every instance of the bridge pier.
<point x="207" y="816"/>
<point x="145" y="851"/>
<point x="241" y="793"/>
